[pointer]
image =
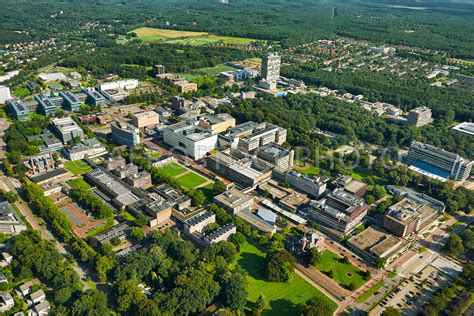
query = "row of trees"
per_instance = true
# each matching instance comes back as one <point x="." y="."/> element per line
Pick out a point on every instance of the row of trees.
<point x="91" y="202"/>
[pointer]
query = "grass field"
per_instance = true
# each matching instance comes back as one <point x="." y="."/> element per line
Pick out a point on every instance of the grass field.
<point x="211" y="39"/>
<point x="190" y="180"/>
<point x="305" y="168"/>
<point x="77" y="167"/>
<point x="215" y="70"/>
<point x="188" y="76"/>
<point x="173" y="169"/>
<point x="144" y="32"/>
<point x="342" y="273"/>
<point x="79" y="183"/>
<point x="281" y="298"/>
<point x="360" y="174"/>
<point x="152" y="154"/>
<point x="135" y="65"/>
<point x="370" y="292"/>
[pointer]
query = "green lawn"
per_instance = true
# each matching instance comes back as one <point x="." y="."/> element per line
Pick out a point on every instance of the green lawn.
<point x="152" y="154"/>
<point x="360" y="174"/>
<point x="370" y="292"/>
<point x="190" y="180"/>
<point x="210" y="39"/>
<point x="77" y="167"/>
<point x="342" y="273"/>
<point x="281" y="298"/>
<point x="79" y="183"/>
<point x="173" y="169"/>
<point x="308" y="169"/>
<point x="153" y="38"/>
<point x="187" y="76"/>
<point x="99" y="229"/>
<point x="213" y="71"/>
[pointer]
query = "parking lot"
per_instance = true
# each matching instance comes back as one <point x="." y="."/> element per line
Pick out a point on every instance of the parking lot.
<point x="411" y="295"/>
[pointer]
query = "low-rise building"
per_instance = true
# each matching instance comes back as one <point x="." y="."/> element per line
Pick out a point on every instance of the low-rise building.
<point x="190" y="139"/>
<point x="6" y="302"/>
<point x="117" y="90"/>
<point x="339" y="211"/>
<point x="88" y="148"/>
<point x="278" y="156"/>
<point x="4" y="94"/>
<point x="47" y="104"/>
<point x="117" y="232"/>
<point x="146" y="119"/>
<point x="94" y="97"/>
<point x="216" y="123"/>
<point x="158" y="208"/>
<point x="42" y="309"/>
<point x="348" y="184"/>
<point x="240" y="167"/>
<point x="37" y="297"/>
<point x="221" y="234"/>
<point x="72" y="101"/>
<point x="198" y="223"/>
<point x="10" y="221"/>
<point x="120" y="195"/>
<point x="465" y="128"/>
<point x="127" y="170"/>
<point x="141" y="179"/>
<point x="113" y="163"/>
<point x="234" y="201"/>
<point x="376" y="244"/>
<point x="313" y="185"/>
<point x="21" y="110"/>
<point x="66" y="129"/>
<point x="409" y="216"/>
<point x="170" y="193"/>
<point x="125" y="134"/>
<point x="50" y="142"/>
<point x="251" y="135"/>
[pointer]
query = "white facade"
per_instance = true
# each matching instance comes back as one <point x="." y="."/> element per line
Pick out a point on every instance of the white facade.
<point x="194" y="141"/>
<point x="121" y="84"/>
<point x="4" y="94"/>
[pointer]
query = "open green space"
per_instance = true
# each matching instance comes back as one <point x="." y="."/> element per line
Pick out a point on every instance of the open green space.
<point x="188" y="76"/>
<point x="212" y="39"/>
<point x="215" y="70"/>
<point x="344" y="274"/>
<point x="135" y="65"/>
<point x="281" y="298"/>
<point x="152" y="154"/>
<point x="305" y="168"/>
<point x="359" y="174"/>
<point x="77" y="167"/>
<point x="79" y="183"/>
<point x="190" y="180"/>
<point x="173" y="169"/>
<point x="370" y="292"/>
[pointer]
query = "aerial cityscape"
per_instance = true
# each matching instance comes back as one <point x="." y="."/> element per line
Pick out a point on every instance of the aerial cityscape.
<point x="235" y="157"/>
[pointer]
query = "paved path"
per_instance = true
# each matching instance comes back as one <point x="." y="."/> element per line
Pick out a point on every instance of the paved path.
<point x="329" y="295"/>
<point x="320" y="278"/>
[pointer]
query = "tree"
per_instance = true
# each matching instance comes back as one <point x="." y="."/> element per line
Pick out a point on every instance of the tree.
<point x="317" y="307"/>
<point x="380" y="263"/>
<point x="234" y="290"/>
<point x="467" y="236"/>
<point x="137" y="234"/>
<point x="279" y="266"/>
<point x="313" y="256"/>
<point x="219" y="187"/>
<point x="197" y="196"/>
<point x="259" y="306"/>
<point x="391" y="311"/>
<point x="91" y="302"/>
<point x="454" y="245"/>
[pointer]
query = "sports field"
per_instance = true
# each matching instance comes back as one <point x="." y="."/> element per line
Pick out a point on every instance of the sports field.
<point x="190" y="180"/>
<point x="343" y="273"/>
<point x="215" y="70"/>
<point x="281" y="298"/>
<point x="173" y="169"/>
<point x="77" y="167"/>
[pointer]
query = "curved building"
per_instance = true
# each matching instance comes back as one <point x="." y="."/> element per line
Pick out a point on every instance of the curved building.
<point x="124" y="133"/>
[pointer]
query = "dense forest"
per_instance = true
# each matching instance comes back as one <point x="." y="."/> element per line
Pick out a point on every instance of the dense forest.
<point x="176" y="58"/>
<point x="437" y="27"/>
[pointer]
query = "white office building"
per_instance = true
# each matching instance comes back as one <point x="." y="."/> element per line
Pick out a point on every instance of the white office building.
<point x="190" y="139"/>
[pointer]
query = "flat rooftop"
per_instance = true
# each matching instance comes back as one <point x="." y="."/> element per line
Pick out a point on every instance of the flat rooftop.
<point x="465" y="127"/>
<point x="377" y="241"/>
